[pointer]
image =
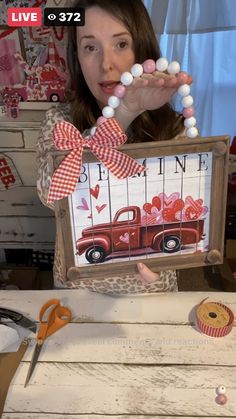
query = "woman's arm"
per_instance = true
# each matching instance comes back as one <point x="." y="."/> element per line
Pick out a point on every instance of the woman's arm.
<point x="43" y="148"/>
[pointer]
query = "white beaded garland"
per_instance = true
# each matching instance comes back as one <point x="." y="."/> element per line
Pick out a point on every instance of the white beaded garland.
<point x="190" y="122"/>
<point x="173" y="67"/>
<point x="137" y="70"/>
<point x="187" y="101"/>
<point x="192" y="132"/>
<point x="161" y="64"/>
<point x="93" y="130"/>
<point x="184" y="90"/>
<point x="126" y="78"/>
<point x="113" y="102"/>
<point x="108" y="112"/>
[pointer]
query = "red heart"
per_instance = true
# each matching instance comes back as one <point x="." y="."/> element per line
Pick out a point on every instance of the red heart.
<point x="99" y="209"/>
<point x="194" y="204"/>
<point x="169" y="215"/>
<point x="147" y="208"/>
<point x="178" y="205"/>
<point x="168" y="201"/>
<point x="95" y="192"/>
<point x="156" y="202"/>
<point x="192" y="214"/>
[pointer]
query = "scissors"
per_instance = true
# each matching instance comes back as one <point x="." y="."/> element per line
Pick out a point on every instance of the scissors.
<point x="57" y="317"/>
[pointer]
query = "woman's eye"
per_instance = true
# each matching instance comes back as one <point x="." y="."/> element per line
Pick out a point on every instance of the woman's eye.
<point x="122" y="44"/>
<point x="89" y="48"/>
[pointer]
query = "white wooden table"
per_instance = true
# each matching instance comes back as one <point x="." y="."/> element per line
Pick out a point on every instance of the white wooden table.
<point x="124" y="357"/>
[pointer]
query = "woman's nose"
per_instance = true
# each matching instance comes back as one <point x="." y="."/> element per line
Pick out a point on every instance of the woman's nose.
<point x="107" y="61"/>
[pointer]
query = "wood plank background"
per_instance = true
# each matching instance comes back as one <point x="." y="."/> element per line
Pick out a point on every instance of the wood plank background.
<point x="135" y="357"/>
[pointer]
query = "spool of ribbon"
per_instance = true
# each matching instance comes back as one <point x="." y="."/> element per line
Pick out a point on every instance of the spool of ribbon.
<point x="214" y="319"/>
<point x="108" y="136"/>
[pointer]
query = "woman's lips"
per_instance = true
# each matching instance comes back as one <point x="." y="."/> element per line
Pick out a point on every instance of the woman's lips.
<point x="108" y="86"/>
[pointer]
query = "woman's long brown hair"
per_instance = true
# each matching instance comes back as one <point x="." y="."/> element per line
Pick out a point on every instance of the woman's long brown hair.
<point x="161" y="124"/>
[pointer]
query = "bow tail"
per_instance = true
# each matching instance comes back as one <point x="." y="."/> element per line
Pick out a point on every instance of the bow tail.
<point x="119" y="164"/>
<point x="65" y="177"/>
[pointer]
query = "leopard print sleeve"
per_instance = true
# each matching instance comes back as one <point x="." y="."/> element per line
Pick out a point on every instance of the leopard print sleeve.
<point x="43" y="147"/>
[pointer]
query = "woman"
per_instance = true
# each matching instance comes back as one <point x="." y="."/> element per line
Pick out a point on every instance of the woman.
<point x="116" y="35"/>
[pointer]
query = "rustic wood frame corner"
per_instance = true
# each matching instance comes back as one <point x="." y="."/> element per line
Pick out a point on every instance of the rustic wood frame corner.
<point x="219" y="149"/>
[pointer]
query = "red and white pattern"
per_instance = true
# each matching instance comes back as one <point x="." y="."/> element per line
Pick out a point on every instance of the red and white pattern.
<point x="53" y="56"/>
<point x="108" y="135"/>
<point x="39" y="33"/>
<point x="214" y="331"/>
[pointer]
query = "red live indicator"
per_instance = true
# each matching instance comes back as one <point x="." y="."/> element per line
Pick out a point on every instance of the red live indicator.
<point x="24" y="16"/>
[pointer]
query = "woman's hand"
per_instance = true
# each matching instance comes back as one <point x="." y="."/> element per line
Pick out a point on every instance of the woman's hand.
<point x="149" y="92"/>
<point x="146" y="275"/>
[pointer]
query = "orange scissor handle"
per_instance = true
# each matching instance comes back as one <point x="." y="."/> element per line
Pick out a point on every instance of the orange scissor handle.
<point x="58" y="317"/>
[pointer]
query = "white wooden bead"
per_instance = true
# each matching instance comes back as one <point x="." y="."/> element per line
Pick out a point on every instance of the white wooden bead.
<point x="187" y="101"/>
<point x="192" y="132"/>
<point x="108" y="112"/>
<point x="126" y="78"/>
<point x="221" y="390"/>
<point x="136" y="70"/>
<point x="113" y="102"/>
<point x="190" y="122"/>
<point x="93" y="130"/>
<point x="184" y="90"/>
<point x="161" y="64"/>
<point x="173" y="67"/>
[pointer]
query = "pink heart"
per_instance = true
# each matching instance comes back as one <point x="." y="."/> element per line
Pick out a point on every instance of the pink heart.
<point x="167" y="201"/>
<point x="124" y="238"/>
<point x="154" y="211"/>
<point x="178" y="215"/>
<point x="195" y="204"/>
<point x="84" y="205"/>
<point x="204" y="210"/>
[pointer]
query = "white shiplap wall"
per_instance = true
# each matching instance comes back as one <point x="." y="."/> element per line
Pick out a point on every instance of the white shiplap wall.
<point x="24" y="221"/>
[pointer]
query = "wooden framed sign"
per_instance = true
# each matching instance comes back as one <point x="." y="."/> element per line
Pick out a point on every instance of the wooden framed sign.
<point x="172" y="215"/>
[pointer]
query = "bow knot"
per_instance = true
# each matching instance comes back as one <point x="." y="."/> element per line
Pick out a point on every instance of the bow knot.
<point x="107" y="137"/>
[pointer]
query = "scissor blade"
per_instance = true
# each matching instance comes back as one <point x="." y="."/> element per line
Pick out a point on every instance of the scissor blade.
<point x="18" y="318"/>
<point x="34" y="360"/>
<point x="28" y="324"/>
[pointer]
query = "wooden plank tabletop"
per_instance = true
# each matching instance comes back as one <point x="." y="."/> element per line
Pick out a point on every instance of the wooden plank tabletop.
<point x="124" y="357"/>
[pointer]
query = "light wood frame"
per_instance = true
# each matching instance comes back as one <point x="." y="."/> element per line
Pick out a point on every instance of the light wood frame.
<point x="218" y="148"/>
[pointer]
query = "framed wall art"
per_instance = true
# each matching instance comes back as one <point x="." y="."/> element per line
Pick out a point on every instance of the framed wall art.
<point x="172" y="215"/>
<point x="11" y="42"/>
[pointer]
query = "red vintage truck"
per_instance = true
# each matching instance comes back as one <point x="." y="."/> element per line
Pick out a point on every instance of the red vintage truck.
<point x="127" y="236"/>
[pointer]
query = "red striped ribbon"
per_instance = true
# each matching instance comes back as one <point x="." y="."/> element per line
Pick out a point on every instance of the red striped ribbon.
<point x="214" y="319"/>
<point x="108" y="136"/>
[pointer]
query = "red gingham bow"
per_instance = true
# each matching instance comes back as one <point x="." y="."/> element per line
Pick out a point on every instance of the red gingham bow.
<point x="68" y="137"/>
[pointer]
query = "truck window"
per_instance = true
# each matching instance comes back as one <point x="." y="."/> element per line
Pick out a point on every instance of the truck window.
<point x="126" y="216"/>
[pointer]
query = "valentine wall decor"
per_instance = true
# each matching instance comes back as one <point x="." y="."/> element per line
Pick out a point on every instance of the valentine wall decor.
<point x="32" y="61"/>
<point x="9" y="177"/>
<point x="169" y="214"/>
<point x="11" y="42"/>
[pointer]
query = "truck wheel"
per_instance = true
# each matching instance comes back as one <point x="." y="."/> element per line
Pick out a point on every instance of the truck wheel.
<point x="54" y="98"/>
<point x="95" y="254"/>
<point x="171" y="244"/>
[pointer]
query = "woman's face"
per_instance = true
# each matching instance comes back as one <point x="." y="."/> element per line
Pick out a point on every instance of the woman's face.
<point x="105" y="51"/>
